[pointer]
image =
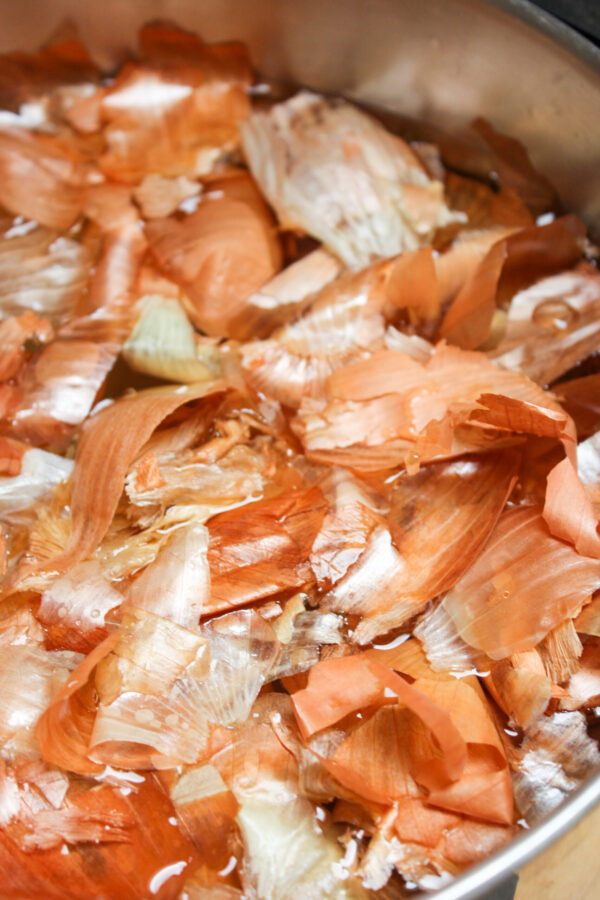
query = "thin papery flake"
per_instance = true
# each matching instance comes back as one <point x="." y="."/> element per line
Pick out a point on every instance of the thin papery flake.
<point x="338" y="687"/>
<point x="73" y="609"/>
<point x="126" y="867"/>
<point x="40" y="180"/>
<point x="412" y="409"/>
<point x="555" y="757"/>
<point x="39" y="473"/>
<point x="31" y="677"/>
<point x="329" y="169"/>
<point x="163" y="687"/>
<point x="177" y="584"/>
<point x="172" y="115"/>
<point x="63" y="60"/>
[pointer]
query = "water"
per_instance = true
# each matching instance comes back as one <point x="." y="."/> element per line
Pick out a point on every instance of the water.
<point x="555" y="315"/>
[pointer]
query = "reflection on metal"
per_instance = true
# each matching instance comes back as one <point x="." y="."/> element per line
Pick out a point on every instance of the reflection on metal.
<point x="490" y="873"/>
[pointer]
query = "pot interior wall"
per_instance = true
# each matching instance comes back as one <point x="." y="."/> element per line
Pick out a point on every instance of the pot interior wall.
<point x="442" y="61"/>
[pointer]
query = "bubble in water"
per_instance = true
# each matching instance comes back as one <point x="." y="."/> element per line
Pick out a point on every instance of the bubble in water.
<point x="555" y="315"/>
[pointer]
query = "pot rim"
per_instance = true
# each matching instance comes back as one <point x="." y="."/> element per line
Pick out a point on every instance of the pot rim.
<point x="505" y="862"/>
<point x="557" y="30"/>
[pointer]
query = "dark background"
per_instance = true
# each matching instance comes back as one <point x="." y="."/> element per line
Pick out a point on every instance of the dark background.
<point x="584" y="15"/>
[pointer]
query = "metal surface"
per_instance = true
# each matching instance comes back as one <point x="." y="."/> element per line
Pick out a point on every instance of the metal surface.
<point x="584" y="15"/>
<point x="476" y="881"/>
<point x="444" y="61"/>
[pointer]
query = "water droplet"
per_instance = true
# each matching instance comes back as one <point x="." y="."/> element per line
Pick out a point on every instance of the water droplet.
<point x="506" y="594"/>
<point x="61" y="610"/>
<point x="95" y="613"/>
<point x="172" y="719"/>
<point x="77" y="623"/>
<point x="555" y="315"/>
<point x="144" y="716"/>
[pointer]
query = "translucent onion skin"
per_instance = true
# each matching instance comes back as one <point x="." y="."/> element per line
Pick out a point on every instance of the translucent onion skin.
<point x="329" y="169"/>
<point x="299" y="488"/>
<point x="502" y="606"/>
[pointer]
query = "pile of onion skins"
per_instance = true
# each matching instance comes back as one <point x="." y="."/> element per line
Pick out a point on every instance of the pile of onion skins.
<point x="299" y="493"/>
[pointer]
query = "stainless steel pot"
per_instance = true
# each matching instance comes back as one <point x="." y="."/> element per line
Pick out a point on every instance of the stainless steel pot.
<point x="442" y="61"/>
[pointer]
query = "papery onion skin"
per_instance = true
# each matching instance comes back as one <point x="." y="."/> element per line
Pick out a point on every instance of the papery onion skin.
<point x="439" y="519"/>
<point x="92" y="870"/>
<point x="101" y="463"/>
<point x="512" y="597"/>
<point x="220" y="255"/>
<point x="31" y="186"/>
<point x="262" y="549"/>
<point x="331" y="171"/>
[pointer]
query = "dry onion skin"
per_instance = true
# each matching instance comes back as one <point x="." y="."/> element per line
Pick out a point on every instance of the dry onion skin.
<point x="299" y="488"/>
